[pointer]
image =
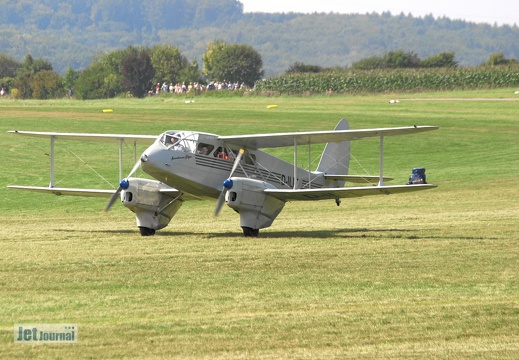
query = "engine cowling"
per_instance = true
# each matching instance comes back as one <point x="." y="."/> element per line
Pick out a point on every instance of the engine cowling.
<point x="257" y="209"/>
<point x="150" y="205"/>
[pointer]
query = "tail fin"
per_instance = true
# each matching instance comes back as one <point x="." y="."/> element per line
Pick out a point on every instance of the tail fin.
<point x="335" y="159"/>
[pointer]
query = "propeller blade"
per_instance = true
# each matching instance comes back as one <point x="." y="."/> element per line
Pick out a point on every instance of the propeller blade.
<point x="236" y="162"/>
<point x="122" y="185"/>
<point x="219" y="203"/>
<point x="112" y="199"/>
<point x="227" y="184"/>
<point x="135" y="168"/>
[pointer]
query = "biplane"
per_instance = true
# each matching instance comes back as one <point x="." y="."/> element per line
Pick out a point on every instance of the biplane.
<point x="234" y="170"/>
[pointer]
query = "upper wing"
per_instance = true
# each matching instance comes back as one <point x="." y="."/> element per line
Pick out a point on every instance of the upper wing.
<point x="338" y="193"/>
<point x="142" y="139"/>
<point x="316" y="137"/>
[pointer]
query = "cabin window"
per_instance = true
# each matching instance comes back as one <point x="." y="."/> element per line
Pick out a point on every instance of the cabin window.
<point x="204" y="149"/>
<point x="250" y="159"/>
<point x="221" y="153"/>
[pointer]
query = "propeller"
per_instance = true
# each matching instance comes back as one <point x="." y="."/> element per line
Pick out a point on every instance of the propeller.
<point x="227" y="184"/>
<point x="123" y="185"/>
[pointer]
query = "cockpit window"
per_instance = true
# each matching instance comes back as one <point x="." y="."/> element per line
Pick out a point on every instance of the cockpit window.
<point x="170" y="139"/>
<point x="180" y="141"/>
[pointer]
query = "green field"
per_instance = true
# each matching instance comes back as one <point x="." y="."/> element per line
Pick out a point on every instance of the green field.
<point x="423" y="275"/>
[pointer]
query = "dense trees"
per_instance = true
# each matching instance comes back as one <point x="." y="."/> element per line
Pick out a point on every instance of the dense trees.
<point x="8" y="66"/>
<point x="130" y="15"/>
<point x="233" y="63"/>
<point x="137" y="72"/>
<point x="171" y="65"/>
<point x="299" y="67"/>
<point x="47" y="84"/>
<point x="499" y="59"/>
<point x="70" y="33"/>
<point x="98" y="81"/>
<point x="35" y="79"/>
<point x="399" y="59"/>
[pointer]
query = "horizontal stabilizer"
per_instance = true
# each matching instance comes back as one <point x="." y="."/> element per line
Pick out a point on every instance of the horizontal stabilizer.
<point x="340" y="193"/>
<point x="359" y="179"/>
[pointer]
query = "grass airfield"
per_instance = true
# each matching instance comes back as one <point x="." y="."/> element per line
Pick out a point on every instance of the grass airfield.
<point x="422" y="275"/>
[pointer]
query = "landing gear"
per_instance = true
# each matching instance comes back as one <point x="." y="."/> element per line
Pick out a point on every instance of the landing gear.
<point x="146" y="231"/>
<point x="250" y="232"/>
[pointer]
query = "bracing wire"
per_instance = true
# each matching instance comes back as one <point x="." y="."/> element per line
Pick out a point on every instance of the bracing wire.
<point x="91" y="168"/>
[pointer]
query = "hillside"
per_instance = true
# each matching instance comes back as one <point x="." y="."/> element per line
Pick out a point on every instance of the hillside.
<point x="71" y="33"/>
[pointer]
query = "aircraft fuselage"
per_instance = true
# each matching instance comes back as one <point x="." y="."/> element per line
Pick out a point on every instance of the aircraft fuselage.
<point x="198" y="163"/>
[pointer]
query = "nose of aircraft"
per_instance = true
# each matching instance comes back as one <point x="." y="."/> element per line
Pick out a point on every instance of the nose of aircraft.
<point x="153" y="158"/>
<point x="148" y="158"/>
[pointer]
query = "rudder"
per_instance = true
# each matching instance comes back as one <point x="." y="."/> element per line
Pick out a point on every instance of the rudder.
<point x="335" y="159"/>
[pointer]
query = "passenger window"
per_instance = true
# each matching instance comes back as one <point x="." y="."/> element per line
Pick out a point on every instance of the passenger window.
<point x="221" y="153"/>
<point x="205" y="149"/>
<point x="250" y="159"/>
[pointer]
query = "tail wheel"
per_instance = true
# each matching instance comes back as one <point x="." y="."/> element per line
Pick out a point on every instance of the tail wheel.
<point x="146" y="231"/>
<point x="250" y="232"/>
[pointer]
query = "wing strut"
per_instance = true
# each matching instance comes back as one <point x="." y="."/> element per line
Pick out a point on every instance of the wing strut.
<point x="381" y="178"/>
<point x="121" y="143"/>
<point x="295" y="163"/>
<point x="121" y="158"/>
<point x="52" y="158"/>
<point x="51" y="162"/>
<point x="309" y="164"/>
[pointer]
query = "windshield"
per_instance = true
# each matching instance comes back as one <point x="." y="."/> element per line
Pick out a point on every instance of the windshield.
<point x="180" y="141"/>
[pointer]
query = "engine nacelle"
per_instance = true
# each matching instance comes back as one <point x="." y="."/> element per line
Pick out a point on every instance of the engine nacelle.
<point x="257" y="209"/>
<point x="145" y="199"/>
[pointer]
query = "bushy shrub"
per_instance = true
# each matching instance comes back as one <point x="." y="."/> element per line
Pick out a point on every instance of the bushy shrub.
<point x="98" y="81"/>
<point x="47" y="85"/>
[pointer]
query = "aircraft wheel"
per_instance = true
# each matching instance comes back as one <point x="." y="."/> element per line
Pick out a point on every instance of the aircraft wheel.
<point x="250" y="232"/>
<point x="146" y="231"/>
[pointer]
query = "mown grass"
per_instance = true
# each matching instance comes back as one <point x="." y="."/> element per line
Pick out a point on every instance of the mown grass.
<point x="425" y="275"/>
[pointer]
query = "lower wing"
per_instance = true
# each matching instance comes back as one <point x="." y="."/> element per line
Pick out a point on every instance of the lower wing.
<point x="361" y="179"/>
<point x="340" y="193"/>
<point x="83" y="192"/>
<point x="66" y="191"/>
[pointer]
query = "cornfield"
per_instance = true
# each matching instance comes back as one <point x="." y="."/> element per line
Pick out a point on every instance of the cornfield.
<point x="399" y="80"/>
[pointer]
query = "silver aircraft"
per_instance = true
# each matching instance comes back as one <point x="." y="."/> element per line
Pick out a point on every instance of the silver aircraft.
<point x="191" y="165"/>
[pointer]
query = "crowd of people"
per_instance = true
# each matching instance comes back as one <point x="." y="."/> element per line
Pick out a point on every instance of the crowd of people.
<point x="195" y="86"/>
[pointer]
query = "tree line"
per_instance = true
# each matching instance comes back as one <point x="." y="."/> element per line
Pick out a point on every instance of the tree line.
<point x="398" y="59"/>
<point x="134" y="71"/>
<point x="140" y="71"/>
